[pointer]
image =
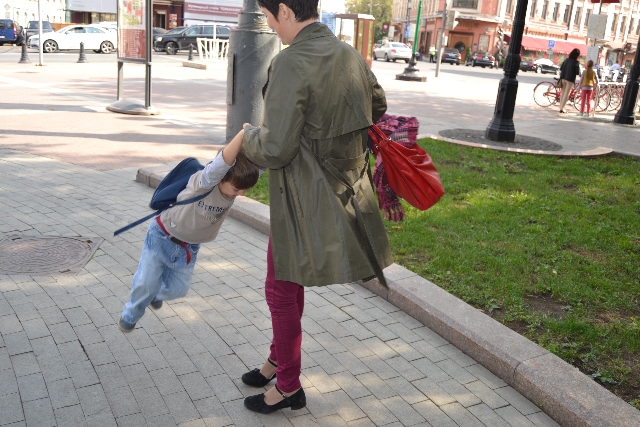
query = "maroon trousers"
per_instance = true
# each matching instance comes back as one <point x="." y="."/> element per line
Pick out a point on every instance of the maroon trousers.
<point x="286" y="303"/>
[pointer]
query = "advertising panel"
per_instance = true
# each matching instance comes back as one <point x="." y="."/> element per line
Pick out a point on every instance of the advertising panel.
<point x="597" y="26"/>
<point x="213" y="10"/>
<point x="102" y="6"/>
<point x="132" y="30"/>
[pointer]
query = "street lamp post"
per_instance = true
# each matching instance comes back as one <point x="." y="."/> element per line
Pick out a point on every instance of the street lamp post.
<point x="626" y="115"/>
<point x="501" y="126"/>
<point x="252" y="46"/>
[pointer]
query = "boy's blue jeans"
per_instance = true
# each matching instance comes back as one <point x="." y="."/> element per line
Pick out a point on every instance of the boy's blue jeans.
<point x="163" y="273"/>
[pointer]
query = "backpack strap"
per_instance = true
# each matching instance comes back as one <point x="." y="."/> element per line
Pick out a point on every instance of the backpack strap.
<point x="158" y="212"/>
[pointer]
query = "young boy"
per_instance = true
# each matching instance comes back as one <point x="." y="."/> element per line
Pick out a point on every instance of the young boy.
<point x="174" y="237"/>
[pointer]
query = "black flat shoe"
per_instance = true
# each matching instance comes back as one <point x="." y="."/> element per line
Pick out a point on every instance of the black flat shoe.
<point x="296" y="401"/>
<point x="256" y="379"/>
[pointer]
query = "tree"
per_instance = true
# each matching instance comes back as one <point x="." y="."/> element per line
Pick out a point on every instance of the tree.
<point x="381" y="10"/>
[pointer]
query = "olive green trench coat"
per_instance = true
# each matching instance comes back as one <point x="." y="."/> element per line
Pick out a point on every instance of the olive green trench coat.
<point x="320" y="99"/>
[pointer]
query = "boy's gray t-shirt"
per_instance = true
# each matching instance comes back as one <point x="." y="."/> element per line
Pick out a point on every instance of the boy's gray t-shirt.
<point x="199" y="222"/>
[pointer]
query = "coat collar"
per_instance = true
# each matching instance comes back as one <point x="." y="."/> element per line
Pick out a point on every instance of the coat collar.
<point x="312" y="31"/>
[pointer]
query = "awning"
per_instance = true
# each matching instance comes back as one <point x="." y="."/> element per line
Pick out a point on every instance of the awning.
<point x="541" y="45"/>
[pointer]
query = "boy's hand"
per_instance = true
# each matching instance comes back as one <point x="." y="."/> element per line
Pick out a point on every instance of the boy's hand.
<point x="244" y="126"/>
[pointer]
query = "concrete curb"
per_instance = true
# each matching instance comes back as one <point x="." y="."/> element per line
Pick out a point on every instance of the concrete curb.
<point x="569" y="397"/>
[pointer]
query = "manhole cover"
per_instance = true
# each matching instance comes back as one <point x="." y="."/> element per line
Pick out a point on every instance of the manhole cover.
<point x="46" y="254"/>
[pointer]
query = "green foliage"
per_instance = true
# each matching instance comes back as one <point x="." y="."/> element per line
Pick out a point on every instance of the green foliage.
<point x="381" y="10"/>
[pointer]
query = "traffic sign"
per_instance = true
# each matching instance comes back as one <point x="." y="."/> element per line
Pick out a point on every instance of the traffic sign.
<point x="552" y="44"/>
<point x="406" y="31"/>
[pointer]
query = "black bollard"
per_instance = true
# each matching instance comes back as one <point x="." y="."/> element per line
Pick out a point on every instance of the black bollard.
<point x="190" y="58"/>
<point x="626" y="115"/>
<point x="82" y="59"/>
<point x="501" y="127"/>
<point x="24" y="58"/>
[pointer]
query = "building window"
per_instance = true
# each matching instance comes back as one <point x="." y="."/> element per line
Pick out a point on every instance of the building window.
<point x="631" y="25"/>
<point x="576" y="20"/>
<point x="532" y="13"/>
<point x="623" y="25"/>
<point x="614" y="23"/>
<point x="509" y="6"/>
<point x="587" y="14"/>
<point x="556" y="11"/>
<point x="545" y="6"/>
<point x="466" y="4"/>
<point x="566" y="16"/>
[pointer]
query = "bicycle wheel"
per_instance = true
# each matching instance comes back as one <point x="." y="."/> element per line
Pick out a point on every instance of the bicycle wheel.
<point x="603" y="99"/>
<point x="616" y="95"/>
<point x="545" y="94"/>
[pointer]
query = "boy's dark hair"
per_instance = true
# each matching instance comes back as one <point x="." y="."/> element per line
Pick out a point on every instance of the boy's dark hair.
<point x="243" y="174"/>
<point x="575" y="53"/>
<point x="302" y="9"/>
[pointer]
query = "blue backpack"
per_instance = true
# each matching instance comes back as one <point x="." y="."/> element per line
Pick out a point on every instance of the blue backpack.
<point x="167" y="191"/>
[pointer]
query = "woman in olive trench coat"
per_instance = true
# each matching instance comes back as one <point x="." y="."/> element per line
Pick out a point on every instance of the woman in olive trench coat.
<point x="320" y="99"/>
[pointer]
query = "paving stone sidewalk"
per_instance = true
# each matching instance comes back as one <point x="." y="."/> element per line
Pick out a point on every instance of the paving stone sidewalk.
<point x="64" y="362"/>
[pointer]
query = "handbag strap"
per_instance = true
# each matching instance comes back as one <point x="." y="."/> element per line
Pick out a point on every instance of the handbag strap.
<point x="369" y="248"/>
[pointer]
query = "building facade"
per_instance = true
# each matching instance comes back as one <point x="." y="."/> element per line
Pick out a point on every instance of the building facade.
<point x="23" y="11"/>
<point x="481" y="25"/>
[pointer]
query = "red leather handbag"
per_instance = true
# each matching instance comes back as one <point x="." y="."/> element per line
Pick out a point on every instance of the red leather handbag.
<point x="410" y="171"/>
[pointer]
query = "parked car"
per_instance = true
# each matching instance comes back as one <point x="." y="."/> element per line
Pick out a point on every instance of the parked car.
<point x="32" y="28"/>
<point x="542" y="65"/>
<point x="392" y="51"/>
<point x="70" y="37"/>
<point x="10" y="32"/>
<point x="157" y="31"/>
<point x="176" y="40"/>
<point x="451" y="55"/>
<point x="481" y="59"/>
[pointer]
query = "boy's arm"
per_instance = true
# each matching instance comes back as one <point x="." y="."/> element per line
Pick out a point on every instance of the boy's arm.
<point x="232" y="149"/>
<point x="216" y="169"/>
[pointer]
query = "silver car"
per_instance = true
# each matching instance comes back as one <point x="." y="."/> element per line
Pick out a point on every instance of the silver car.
<point x="392" y="51"/>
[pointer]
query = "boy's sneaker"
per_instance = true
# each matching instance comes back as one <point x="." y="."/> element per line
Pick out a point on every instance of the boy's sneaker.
<point x="156" y="304"/>
<point x="125" y="326"/>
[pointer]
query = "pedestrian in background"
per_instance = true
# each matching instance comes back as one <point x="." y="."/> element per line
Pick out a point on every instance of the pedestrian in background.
<point x="319" y="102"/>
<point x="569" y="69"/>
<point x="432" y="53"/>
<point x="588" y="82"/>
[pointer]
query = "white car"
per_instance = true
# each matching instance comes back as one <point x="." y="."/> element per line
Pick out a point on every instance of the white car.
<point x="70" y="37"/>
<point x="391" y="51"/>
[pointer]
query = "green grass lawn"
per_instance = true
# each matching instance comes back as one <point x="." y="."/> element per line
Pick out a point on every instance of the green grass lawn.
<point x="546" y="245"/>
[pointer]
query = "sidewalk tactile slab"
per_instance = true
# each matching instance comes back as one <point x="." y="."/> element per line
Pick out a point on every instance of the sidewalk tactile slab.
<point x="46" y="254"/>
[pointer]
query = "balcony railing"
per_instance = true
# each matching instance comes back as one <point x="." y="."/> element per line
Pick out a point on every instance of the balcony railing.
<point x="465" y="4"/>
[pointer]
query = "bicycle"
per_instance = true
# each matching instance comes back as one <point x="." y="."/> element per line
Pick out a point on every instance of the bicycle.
<point x="546" y="94"/>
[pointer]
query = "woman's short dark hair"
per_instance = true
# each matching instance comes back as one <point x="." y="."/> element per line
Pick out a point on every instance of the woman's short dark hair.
<point x="243" y="174"/>
<point x="575" y="53"/>
<point x="302" y="9"/>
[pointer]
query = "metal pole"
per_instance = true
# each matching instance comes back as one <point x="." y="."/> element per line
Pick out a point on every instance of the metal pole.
<point x="120" y="77"/>
<point x="626" y="114"/>
<point x="252" y="46"/>
<point x="441" y="39"/>
<point x="408" y="22"/>
<point x="320" y="12"/>
<point x="40" y="55"/>
<point x="501" y="127"/>
<point x="149" y="42"/>
<point x="411" y="72"/>
<point x="370" y="7"/>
